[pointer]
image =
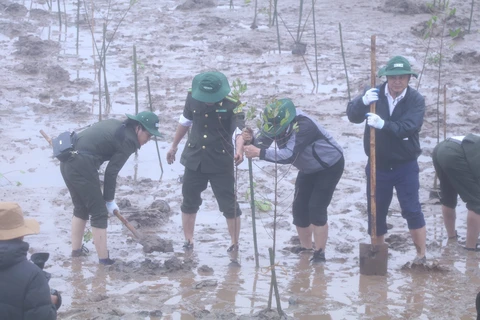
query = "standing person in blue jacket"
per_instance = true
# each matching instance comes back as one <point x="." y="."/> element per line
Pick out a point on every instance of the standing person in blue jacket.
<point x="24" y="290"/>
<point x="305" y="144"/>
<point x="398" y="119"/>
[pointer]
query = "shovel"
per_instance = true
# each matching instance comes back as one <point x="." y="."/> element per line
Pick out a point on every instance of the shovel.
<point x="373" y="257"/>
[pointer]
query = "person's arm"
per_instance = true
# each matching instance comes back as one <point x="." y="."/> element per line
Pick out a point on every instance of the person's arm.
<point x="239" y="143"/>
<point x="38" y="303"/>
<point x="356" y="109"/>
<point x="179" y="134"/>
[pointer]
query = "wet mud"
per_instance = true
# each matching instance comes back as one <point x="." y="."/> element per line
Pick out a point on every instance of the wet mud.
<point x="51" y="83"/>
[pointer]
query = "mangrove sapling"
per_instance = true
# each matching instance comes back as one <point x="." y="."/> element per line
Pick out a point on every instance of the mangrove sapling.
<point x="102" y="52"/>
<point x="238" y="89"/>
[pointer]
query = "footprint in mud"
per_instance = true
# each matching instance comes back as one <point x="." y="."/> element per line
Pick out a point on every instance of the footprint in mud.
<point x="432" y="267"/>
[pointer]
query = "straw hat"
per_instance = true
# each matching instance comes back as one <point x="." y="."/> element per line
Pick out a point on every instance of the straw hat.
<point x="12" y="223"/>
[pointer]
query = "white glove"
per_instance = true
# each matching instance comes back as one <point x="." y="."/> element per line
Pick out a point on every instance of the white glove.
<point x="375" y="121"/>
<point x="111" y="206"/>
<point x="370" y="96"/>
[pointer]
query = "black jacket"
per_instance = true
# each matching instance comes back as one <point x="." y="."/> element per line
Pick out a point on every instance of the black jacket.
<point x="24" y="291"/>
<point x="209" y="146"/>
<point x="101" y="141"/>
<point x="398" y="141"/>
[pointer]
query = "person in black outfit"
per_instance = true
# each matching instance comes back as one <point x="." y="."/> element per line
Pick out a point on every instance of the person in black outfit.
<point x="209" y="155"/>
<point x="109" y="140"/>
<point x="24" y="290"/>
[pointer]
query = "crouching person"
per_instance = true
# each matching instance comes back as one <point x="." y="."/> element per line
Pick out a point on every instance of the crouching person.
<point x="24" y="290"/>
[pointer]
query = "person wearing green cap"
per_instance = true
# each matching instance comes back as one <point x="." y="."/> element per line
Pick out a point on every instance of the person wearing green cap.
<point x="109" y="140"/>
<point x="398" y="119"/>
<point x="209" y="155"/>
<point x="304" y="143"/>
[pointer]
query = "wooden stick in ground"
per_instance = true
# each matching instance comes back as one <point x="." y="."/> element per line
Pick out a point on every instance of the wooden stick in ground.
<point x="151" y="109"/>
<point x="373" y="165"/>
<point x="274" y="282"/>
<point x="252" y="206"/>
<point x="344" y="63"/>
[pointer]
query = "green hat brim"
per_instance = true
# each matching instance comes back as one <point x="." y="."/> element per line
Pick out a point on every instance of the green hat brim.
<point x="154" y="132"/>
<point x="383" y="72"/>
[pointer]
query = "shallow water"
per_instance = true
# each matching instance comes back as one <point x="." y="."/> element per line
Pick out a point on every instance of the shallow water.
<point x="173" y="45"/>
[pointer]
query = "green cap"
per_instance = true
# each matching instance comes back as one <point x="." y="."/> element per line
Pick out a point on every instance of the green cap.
<point x="398" y="65"/>
<point x="210" y="87"/>
<point x="277" y="116"/>
<point x="148" y="120"/>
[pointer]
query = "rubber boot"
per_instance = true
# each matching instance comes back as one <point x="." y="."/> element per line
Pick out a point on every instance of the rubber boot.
<point x="78" y="229"/>
<point x="100" y="240"/>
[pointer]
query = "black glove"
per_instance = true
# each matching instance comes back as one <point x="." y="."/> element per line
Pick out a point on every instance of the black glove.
<point x="54" y="292"/>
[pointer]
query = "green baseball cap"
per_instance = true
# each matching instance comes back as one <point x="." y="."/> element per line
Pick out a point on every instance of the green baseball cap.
<point x="398" y="65"/>
<point x="210" y="87"/>
<point x="148" y="120"/>
<point x="277" y="116"/>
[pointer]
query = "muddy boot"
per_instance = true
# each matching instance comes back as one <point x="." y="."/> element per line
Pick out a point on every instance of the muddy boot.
<point x="318" y="256"/>
<point x="107" y="261"/>
<point x="82" y="252"/>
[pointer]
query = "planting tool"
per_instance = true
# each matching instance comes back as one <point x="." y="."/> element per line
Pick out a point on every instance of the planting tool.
<point x="374" y="256"/>
<point x="127" y="224"/>
<point x="46" y="137"/>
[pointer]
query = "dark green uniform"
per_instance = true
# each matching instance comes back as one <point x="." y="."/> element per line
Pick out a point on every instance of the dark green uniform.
<point x="209" y="152"/>
<point x="101" y="142"/>
<point x="457" y="164"/>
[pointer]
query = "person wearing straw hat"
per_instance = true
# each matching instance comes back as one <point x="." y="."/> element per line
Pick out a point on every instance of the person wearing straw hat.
<point x="210" y="154"/>
<point x="109" y="140"/>
<point x="398" y="119"/>
<point x="457" y="164"/>
<point x="24" y="289"/>
<point x="305" y="144"/>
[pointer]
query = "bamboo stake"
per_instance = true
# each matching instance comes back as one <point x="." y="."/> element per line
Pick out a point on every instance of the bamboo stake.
<point x="471" y="15"/>
<point x="151" y="109"/>
<point x="104" y="59"/>
<point x="274" y="281"/>
<point x="252" y="206"/>
<point x="344" y="63"/>
<point x="315" y="42"/>
<point x="136" y="80"/>
<point x="78" y="24"/>
<point x="373" y="162"/>
<point x="59" y="15"/>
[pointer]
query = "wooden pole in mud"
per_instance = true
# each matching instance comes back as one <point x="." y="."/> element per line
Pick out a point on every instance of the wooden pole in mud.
<point x="136" y="79"/>
<point x="78" y="25"/>
<point x="59" y="15"/>
<point x="252" y="206"/>
<point x="151" y="109"/>
<point x="274" y="281"/>
<point x="344" y="63"/>
<point x="373" y="158"/>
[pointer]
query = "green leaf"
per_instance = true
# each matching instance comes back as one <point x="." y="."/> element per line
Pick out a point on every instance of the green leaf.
<point x="263" y="205"/>
<point x="87" y="236"/>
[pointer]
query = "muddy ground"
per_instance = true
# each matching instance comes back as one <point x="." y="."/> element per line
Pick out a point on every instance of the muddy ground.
<point x="50" y="82"/>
